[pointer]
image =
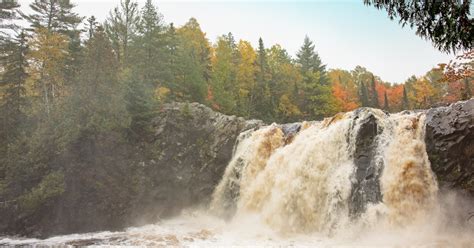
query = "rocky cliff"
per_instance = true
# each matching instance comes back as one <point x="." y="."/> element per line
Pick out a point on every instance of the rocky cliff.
<point x="450" y="144"/>
<point x="110" y="184"/>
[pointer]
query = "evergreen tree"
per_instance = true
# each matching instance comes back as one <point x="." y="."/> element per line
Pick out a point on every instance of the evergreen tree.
<point x="309" y="60"/>
<point x="97" y="102"/>
<point x="91" y="26"/>
<point x="121" y="27"/>
<point x="318" y="101"/>
<point x="13" y="83"/>
<point x="149" y="47"/>
<point x="261" y="93"/>
<point x="364" y="95"/>
<point x="8" y="12"/>
<point x="56" y="47"/>
<point x="385" y="104"/>
<point x="148" y="59"/>
<point x="168" y="88"/>
<point x="54" y="16"/>
<point x="374" y="99"/>
<point x="405" y="102"/>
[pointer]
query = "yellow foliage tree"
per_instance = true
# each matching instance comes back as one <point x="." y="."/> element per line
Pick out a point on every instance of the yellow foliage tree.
<point x="245" y="75"/>
<point x="49" y="51"/>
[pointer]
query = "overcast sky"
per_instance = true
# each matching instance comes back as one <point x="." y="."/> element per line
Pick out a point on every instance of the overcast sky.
<point x="346" y="32"/>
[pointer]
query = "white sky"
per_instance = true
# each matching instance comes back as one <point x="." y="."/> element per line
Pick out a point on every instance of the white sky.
<point x="346" y="32"/>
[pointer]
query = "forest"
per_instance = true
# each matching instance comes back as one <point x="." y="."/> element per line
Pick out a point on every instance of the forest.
<point x="64" y="76"/>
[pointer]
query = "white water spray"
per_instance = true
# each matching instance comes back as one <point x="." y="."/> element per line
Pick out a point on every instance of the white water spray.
<point x="305" y="186"/>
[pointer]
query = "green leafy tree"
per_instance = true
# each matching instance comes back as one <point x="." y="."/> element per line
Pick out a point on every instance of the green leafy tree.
<point x="193" y="62"/>
<point x="245" y="77"/>
<point x="284" y="78"/>
<point x="448" y="24"/>
<point x="223" y="79"/>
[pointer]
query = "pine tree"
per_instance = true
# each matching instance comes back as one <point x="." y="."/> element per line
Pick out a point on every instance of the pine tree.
<point x="8" y="12"/>
<point x="121" y="27"/>
<point x="309" y="60"/>
<point x="170" y="64"/>
<point x="260" y="98"/>
<point x="363" y="95"/>
<point x="13" y="82"/>
<point x="149" y="47"/>
<point x="374" y="99"/>
<point x="405" y="102"/>
<point x="91" y="26"/>
<point x="318" y="100"/>
<point x="97" y="101"/>
<point x="385" y="104"/>
<point x="54" y="16"/>
<point x="56" y="47"/>
<point x="148" y="59"/>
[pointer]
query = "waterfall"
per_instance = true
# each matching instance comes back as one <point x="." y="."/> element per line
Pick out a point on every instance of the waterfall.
<point x="362" y="167"/>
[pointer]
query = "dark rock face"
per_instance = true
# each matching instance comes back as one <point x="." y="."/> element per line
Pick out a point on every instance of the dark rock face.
<point x="365" y="181"/>
<point x="190" y="152"/>
<point x="111" y="184"/>
<point x="450" y="144"/>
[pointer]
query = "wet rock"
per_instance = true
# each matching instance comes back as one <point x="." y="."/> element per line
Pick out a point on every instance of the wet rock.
<point x="450" y="144"/>
<point x="365" y="181"/>
<point x="290" y="131"/>
<point x="191" y="152"/>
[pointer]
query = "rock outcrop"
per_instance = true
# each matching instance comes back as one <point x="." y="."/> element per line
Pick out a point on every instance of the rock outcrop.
<point x="450" y="144"/>
<point x="365" y="184"/>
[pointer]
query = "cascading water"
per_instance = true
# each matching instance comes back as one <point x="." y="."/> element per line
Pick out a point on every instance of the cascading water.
<point x="321" y="182"/>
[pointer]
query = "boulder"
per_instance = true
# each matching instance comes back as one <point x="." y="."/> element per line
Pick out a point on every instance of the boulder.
<point x="450" y="144"/>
